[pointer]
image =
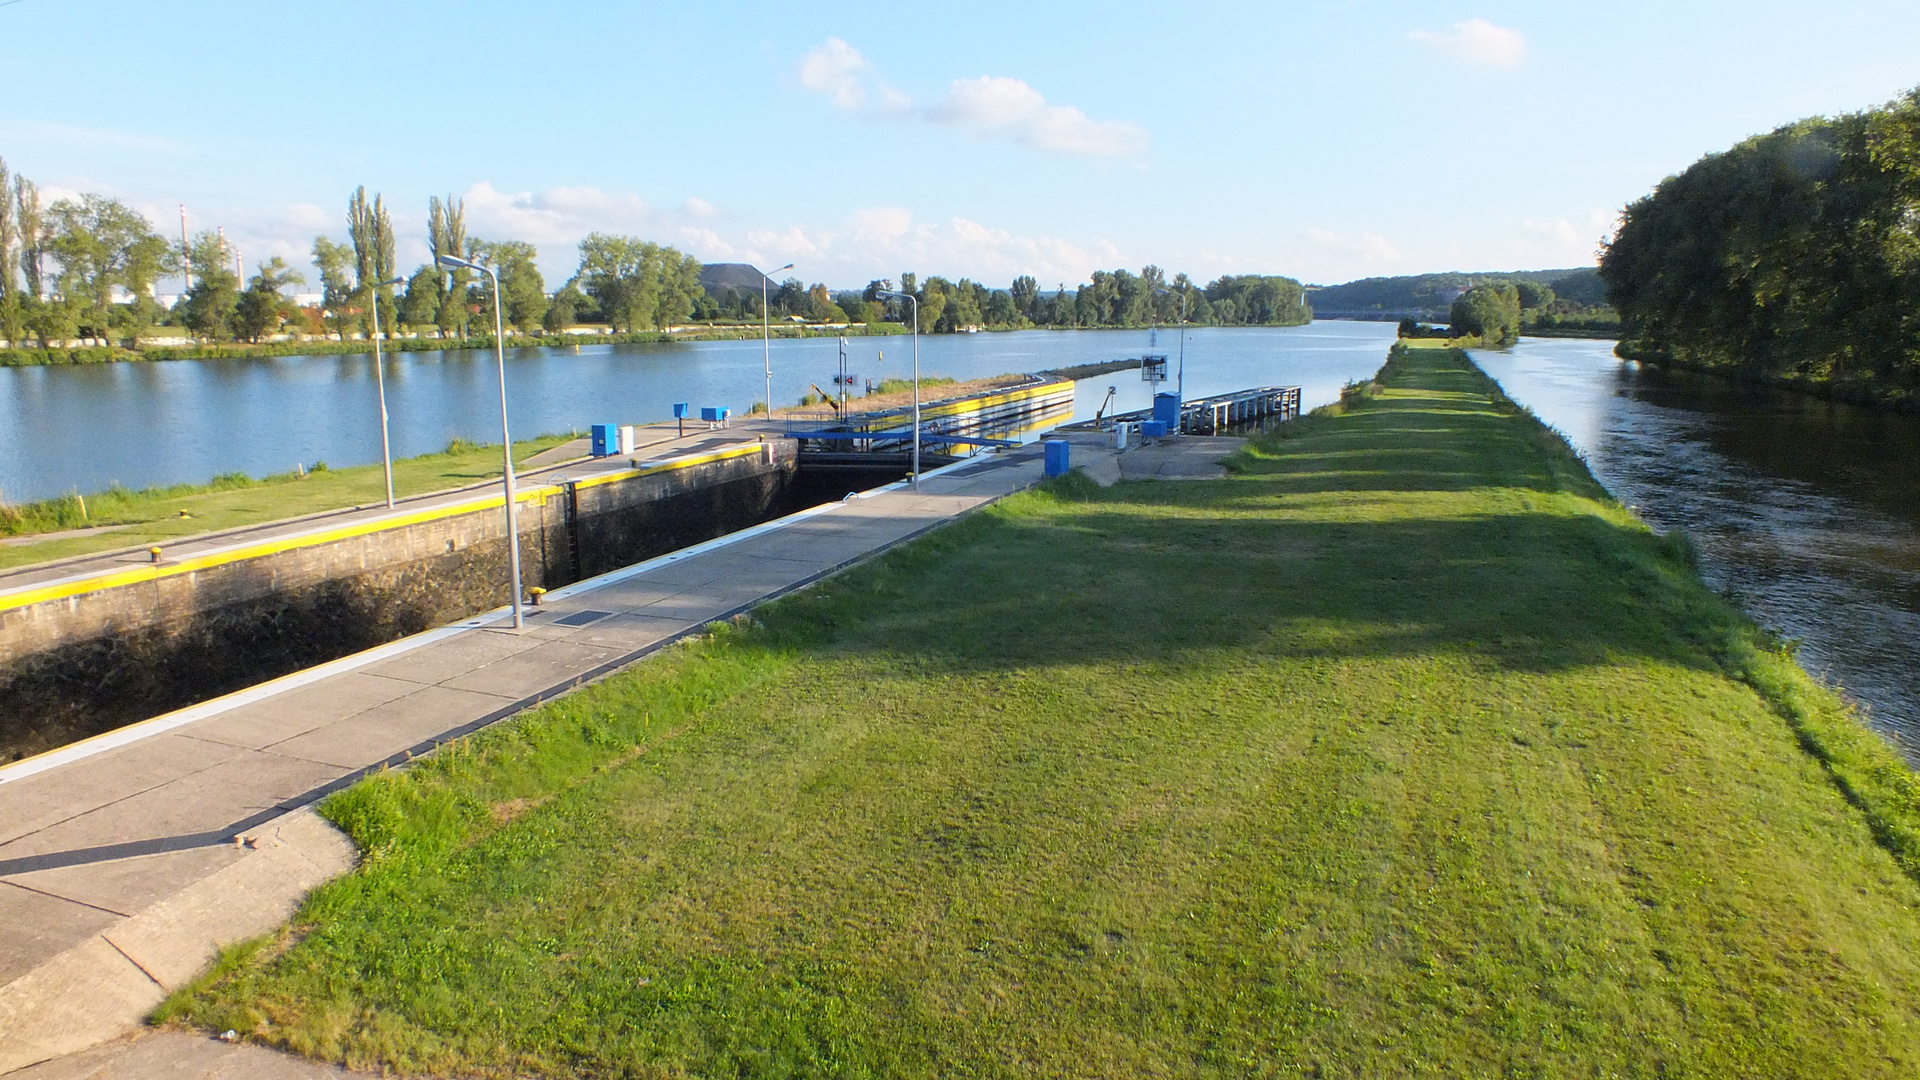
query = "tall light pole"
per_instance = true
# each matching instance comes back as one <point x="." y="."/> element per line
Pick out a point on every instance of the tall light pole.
<point x="766" y="336"/>
<point x="1181" y="385"/>
<point x="916" y="378"/>
<point x="380" y="380"/>
<point x="450" y="262"/>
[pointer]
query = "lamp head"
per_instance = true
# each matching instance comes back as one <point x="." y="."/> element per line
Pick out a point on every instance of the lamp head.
<point x="454" y="262"/>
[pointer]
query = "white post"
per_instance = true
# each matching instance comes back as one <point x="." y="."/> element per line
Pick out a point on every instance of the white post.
<point x="506" y="452"/>
<point x="380" y="380"/>
<point x="916" y="390"/>
<point x="766" y="343"/>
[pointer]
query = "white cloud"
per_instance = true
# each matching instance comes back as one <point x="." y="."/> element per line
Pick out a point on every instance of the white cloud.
<point x="835" y="69"/>
<point x="884" y="241"/>
<point x="999" y="107"/>
<point x="1367" y="250"/>
<point x="1478" y="42"/>
<point x="987" y="107"/>
<point x="87" y="138"/>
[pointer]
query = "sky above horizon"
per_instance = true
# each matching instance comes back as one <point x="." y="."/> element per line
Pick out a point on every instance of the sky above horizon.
<point x="1321" y="140"/>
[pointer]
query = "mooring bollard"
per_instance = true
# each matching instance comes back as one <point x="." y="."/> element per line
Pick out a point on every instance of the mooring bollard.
<point x="154" y="553"/>
<point x="536" y="593"/>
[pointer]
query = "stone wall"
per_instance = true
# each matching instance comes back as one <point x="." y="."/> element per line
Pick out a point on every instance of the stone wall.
<point x="84" y="664"/>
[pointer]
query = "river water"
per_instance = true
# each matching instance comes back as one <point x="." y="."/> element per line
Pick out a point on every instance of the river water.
<point x="143" y="424"/>
<point x="1805" y="511"/>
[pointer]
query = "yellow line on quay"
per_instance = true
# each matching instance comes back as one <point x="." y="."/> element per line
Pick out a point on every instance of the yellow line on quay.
<point x="98" y="581"/>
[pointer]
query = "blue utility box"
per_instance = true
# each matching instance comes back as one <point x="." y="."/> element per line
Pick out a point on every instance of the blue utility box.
<point x="606" y="440"/>
<point x="1166" y="409"/>
<point x="679" y="410"/>
<point x="1057" y="462"/>
<point x="1153" y="429"/>
<point x="710" y="414"/>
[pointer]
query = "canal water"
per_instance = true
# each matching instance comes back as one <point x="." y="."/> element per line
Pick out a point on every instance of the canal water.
<point x="1805" y="511"/>
<point x="143" y="424"/>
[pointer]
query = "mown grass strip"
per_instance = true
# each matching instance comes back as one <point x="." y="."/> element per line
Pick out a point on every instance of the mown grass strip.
<point x="121" y="517"/>
<point x="1404" y="751"/>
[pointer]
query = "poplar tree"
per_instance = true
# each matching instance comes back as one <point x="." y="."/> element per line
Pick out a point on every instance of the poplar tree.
<point x="12" y="314"/>
<point x="29" y="225"/>
<point x="447" y="234"/>
<point x="371" y="231"/>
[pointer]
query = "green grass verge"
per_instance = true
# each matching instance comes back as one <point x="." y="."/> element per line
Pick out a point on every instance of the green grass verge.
<point x="1404" y="751"/>
<point x="157" y="515"/>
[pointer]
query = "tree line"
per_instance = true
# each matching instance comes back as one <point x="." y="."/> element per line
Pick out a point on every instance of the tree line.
<point x="85" y="268"/>
<point x="1792" y="257"/>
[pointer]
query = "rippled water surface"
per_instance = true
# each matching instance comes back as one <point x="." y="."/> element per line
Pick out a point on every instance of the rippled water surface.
<point x="142" y="424"/>
<point x="1806" y="511"/>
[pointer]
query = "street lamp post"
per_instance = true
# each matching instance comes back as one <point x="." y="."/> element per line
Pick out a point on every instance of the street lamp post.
<point x="1181" y="385"/>
<point x="916" y="378"/>
<point x="766" y="337"/>
<point x="450" y="262"/>
<point x="380" y="380"/>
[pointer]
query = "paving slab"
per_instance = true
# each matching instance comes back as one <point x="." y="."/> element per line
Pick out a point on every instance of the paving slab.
<point x="122" y="871"/>
<point x="36" y="802"/>
<point x="125" y="887"/>
<point x="376" y="735"/>
<point x="35" y="927"/>
<point x="277" y="719"/>
<point x="179" y="1055"/>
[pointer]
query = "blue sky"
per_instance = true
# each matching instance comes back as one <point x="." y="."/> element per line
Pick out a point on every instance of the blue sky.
<point x="1325" y="140"/>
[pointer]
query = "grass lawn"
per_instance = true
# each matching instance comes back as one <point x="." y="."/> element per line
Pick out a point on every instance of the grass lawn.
<point x="1402" y="752"/>
<point x="159" y="514"/>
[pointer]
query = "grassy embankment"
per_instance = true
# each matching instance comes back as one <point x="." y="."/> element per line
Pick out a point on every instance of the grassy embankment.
<point x="1404" y="751"/>
<point x="159" y="515"/>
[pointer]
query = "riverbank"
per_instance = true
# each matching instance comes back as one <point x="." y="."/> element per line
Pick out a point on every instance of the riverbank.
<point x="61" y="528"/>
<point x="1403" y="750"/>
<point x="103" y="354"/>
<point x="1852" y="390"/>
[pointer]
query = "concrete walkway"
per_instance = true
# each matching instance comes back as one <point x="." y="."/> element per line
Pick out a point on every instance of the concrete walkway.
<point x="127" y="860"/>
<point x="1188" y="457"/>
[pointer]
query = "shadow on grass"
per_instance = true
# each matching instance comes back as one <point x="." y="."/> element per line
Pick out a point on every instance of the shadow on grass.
<point x="1104" y="584"/>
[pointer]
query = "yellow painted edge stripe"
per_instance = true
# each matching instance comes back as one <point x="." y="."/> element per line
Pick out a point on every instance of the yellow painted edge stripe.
<point x="1000" y="397"/>
<point x="134" y="575"/>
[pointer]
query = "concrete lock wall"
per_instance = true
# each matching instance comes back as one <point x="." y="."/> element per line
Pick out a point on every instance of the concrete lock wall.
<point x="76" y="665"/>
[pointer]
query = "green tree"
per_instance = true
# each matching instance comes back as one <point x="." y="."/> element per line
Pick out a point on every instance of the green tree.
<point x="1025" y="294"/>
<point x="13" y="314"/>
<point x="520" y="281"/>
<point x="564" y="308"/>
<point x="370" y="230"/>
<point x="421" y="304"/>
<point x="54" y="320"/>
<point x="210" y="306"/>
<point x="334" y="261"/>
<point x="639" y="284"/>
<point x="1490" y="312"/>
<point x="260" y="309"/>
<point x="1534" y="296"/>
<point x="447" y="235"/>
<point x="101" y="244"/>
<point x="30" y="228"/>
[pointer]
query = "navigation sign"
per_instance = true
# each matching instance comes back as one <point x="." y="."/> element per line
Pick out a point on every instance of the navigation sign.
<point x="1153" y="369"/>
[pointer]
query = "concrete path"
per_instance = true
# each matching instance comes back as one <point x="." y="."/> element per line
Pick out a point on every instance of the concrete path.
<point x="176" y="1055"/>
<point x="126" y="860"/>
<point x="1187" y="457"/>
